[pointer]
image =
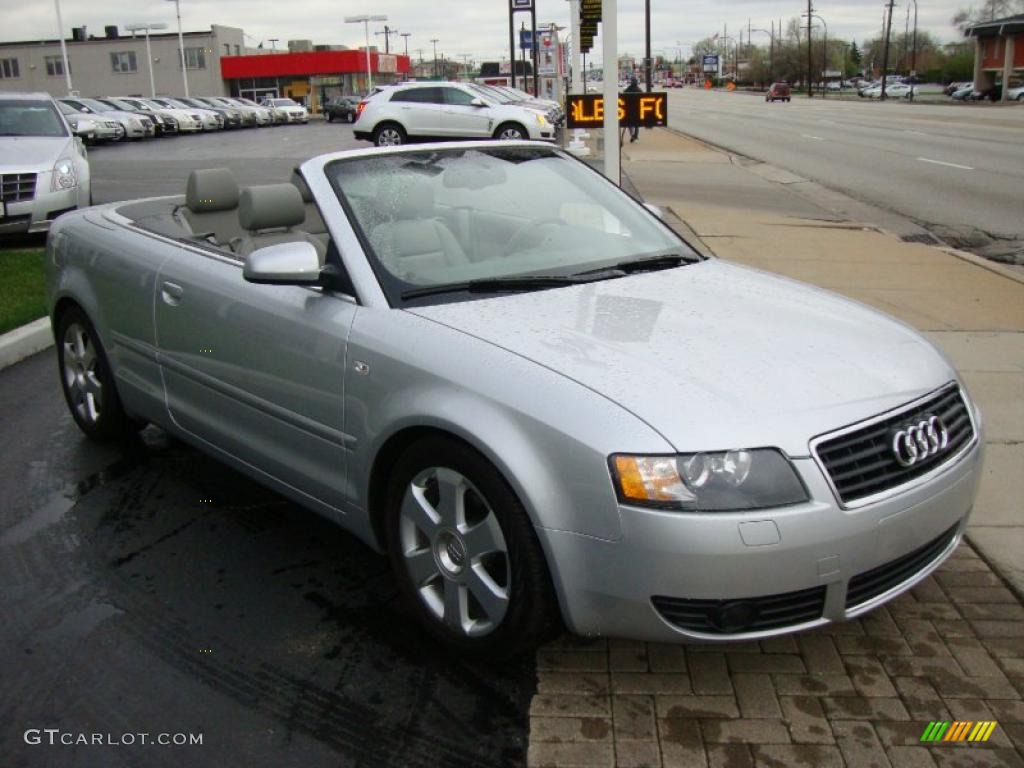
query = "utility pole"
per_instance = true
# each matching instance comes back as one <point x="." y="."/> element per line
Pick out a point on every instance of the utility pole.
<point x="435" y="41"/>
<point x="647" y="46"/>
<point x="810" y="63"/>
<point x="885" y="49"/>
<point x="913" y="55"/>
<point x="406" y="36"/>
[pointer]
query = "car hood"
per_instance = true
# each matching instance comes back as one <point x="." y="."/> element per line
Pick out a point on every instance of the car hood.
<point x="713" y="355"/>
<point x="33" y="153"/>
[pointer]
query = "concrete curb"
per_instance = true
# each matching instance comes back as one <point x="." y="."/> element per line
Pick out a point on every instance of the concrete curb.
<point x="22" y="342"/>
<point x="978" y="261"/>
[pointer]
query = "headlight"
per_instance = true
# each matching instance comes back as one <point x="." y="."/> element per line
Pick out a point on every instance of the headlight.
<point x="541" y="120"/>
<point x="63" y="175"/>
<point x="713" y="482"/>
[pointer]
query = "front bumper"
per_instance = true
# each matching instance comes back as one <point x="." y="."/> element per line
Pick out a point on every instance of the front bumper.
<point x="36" y="215"/>
<point x="724" y="559"/>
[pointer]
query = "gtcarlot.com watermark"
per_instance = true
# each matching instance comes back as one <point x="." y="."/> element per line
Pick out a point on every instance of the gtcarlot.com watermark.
<point x="55" y="737"/>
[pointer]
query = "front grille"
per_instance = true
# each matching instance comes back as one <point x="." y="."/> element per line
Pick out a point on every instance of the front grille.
<point x="770" y="612"/>
<point x="871" y="584"/>
<point x="15" y="187"/>
<point x="862" y="463"/>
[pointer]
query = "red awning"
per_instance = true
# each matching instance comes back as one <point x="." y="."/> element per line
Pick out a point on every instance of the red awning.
<point x="303" y="64"/>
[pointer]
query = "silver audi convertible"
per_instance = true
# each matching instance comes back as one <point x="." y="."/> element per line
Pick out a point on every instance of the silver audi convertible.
<point x="493" y="365"/>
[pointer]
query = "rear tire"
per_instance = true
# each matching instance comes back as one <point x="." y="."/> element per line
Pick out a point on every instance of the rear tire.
<point x="330" y="118"/>
<point x="389" y="135"/>
<point x="464" y="552"/>
<point x="87" y="381"/>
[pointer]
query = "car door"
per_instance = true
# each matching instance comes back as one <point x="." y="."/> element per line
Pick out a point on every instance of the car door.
<point x="256" y="371"/>
<point x="460" y="118"/>
<point x="418" y="109"/>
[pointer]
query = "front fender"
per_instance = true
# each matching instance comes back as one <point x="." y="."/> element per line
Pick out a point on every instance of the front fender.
<point x="549" y="436"/>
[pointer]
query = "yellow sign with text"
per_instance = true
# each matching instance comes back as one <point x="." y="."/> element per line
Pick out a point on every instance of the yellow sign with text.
<point x="636" y="110"/>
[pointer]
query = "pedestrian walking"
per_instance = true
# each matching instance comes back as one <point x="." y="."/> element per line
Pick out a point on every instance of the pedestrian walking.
<point x="634" y="87"/>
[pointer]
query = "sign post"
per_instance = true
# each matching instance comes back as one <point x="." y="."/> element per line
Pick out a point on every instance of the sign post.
<point x="610" y="54"/>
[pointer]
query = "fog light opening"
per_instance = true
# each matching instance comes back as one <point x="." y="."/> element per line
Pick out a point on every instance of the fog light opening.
<point x="735" y="617"/>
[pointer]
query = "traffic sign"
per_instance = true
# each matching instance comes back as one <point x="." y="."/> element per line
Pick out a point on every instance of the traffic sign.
<point x="526" y="39"/>
<point x="522" y="5"/>
<point x="711" y="63"/>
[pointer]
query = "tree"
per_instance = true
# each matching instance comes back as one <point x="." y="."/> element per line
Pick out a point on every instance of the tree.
<point x="988" y="11"/>
<point x="855" y="56"/>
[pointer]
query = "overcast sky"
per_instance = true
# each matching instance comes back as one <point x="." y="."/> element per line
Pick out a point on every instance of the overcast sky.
<point x="476" y="27"/>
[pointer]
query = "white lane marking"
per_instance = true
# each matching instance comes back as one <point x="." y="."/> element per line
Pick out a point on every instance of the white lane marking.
<point x="808" y="136"/>
<point x="948" y="165"/>
<point x="916" y="133"/>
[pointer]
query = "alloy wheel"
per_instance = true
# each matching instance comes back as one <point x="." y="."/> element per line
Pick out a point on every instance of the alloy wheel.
<point x="389" y="137"/>
<point x="81" y="375"/>
<point x="454" y="552"/>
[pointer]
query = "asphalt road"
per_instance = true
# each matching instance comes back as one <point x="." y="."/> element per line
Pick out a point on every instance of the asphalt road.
<point x="955" y="166"/>
<point x="145" y="588"/>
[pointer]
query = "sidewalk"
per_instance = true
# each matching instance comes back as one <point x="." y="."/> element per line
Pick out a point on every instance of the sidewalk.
<point x="859" y="693"/>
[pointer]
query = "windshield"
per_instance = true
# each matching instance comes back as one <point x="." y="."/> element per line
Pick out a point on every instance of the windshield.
<point x="441" y="217"/>
<point x="181" y="103"/>
<point x="283" y="103"/>
<point x="247" y="102"/>
<point x="97" y="106"/>
<point x="25" y="117"/>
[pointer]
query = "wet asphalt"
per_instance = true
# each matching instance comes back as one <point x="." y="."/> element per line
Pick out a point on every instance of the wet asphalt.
<point x="147" y="589"/>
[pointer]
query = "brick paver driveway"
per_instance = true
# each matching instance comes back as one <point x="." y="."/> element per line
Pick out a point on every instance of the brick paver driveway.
<point x="854" y="694"/>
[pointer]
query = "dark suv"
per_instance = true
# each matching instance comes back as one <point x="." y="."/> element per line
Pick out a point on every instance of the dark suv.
<point x="778" y="92"/>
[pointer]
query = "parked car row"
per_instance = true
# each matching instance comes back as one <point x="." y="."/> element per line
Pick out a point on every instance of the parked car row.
<point x="397" y="114"/>
<point x="117" y="118"/>
<point x="968" y="92"/>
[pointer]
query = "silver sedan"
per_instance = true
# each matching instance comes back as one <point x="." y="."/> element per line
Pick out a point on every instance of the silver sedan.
<point x="491" y="364"/>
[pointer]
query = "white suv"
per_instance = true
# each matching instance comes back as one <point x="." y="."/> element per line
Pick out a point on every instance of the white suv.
<point x="445" y="111"/>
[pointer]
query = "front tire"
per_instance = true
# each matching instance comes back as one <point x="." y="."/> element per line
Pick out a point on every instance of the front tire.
<point x="464" y="552"/>
<point x="511" y="132"/>
<point x="330" y="118"/>
<point x="389" y="135"/>
<point x="87" y="380"/>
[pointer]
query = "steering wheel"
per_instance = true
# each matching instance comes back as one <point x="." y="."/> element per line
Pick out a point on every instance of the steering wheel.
<point x="529" y="234"/>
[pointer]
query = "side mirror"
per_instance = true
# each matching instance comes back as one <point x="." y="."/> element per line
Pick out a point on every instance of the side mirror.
<point x="294" y="263"/>
<point x="478" y="103"/>
<point x="656" y="210"/>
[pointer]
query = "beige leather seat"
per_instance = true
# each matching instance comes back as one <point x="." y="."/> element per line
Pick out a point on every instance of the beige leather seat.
<point x="271" y="214"/>
<point x="415" y="243"/>
<point x="314" y="221"/>
<point x="211" y="204"/>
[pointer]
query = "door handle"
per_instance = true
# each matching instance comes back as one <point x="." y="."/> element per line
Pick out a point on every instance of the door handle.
<point x="171" y="293"/>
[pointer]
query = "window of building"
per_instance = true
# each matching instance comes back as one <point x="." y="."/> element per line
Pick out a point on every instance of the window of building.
<point x="123" y="61"/>
<point x="55" y="66"/>
<point x="195" y="58"/>
<point x="9" y="68"/>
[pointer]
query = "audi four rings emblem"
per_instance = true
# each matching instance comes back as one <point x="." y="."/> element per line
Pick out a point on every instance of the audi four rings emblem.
<point x="917" y="442"/>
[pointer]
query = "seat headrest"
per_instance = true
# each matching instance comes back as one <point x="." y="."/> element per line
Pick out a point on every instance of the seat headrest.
<point x="211" y="189"/>
<point x="417" y="202"/>
<point x="270" y="206"/>
<point x="303" y="187"/>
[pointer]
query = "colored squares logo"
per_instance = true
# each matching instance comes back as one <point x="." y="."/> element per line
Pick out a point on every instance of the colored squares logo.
<point x="958" y="730"/>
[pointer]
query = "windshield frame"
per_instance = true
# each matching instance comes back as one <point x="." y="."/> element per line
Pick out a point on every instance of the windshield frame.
<point x="393" y="287"/>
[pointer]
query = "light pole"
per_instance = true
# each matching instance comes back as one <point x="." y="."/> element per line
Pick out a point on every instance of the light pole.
<point x="913" y="55"/>
<point x="824" y="48"/>
<point x="63" y="46"/>
<point x="434" y="41"/>
<point x="465" y="64"/>
<point x="149" y="53"/>
<point x="181" y="46"/>
<point x="365" y="20"/>
<point x="771" y="51"/>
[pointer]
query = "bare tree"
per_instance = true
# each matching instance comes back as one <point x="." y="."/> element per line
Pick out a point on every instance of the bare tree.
<point x="987" y="11"/>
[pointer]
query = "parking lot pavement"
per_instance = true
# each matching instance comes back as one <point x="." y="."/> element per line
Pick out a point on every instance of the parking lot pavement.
<point x="854" y="694"/>
<point x="149" y="589"/>
<point x="126" y="171"/>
